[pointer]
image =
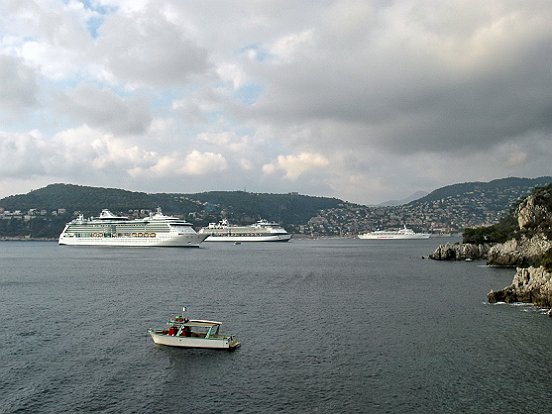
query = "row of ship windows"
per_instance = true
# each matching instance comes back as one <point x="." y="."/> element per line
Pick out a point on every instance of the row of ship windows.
<point x="142" y="229"/>
<point x="230" y="234"/>
<point x="117" y="235"/>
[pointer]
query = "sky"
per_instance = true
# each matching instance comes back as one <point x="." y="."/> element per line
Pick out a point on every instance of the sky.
<point x="366" y="101"/>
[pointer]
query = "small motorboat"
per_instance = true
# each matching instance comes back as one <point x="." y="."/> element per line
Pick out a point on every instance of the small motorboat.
<point x="193" y="333"/>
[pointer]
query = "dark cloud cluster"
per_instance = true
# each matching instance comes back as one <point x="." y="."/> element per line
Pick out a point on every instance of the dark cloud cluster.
<point x="418" y="85"/>
<point x="365" y="101"/>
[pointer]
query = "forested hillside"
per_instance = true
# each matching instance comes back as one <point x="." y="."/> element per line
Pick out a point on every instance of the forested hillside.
<point x="90" y="200"/>
<point x="42" y="213"/>
<point x="286" y="208"/>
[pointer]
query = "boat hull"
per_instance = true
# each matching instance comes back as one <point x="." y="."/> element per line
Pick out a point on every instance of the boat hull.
<point x="162" y="240"/>
<point x="226" y="342"/>
<point x="267" y="238"/>
<point x="420" y="236"/>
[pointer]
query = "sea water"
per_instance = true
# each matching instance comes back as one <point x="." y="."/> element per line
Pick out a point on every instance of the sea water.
<point x="327" y="326"/>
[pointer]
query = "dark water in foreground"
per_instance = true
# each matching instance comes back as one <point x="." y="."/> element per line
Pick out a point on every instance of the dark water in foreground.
<point x="326" y="326"/>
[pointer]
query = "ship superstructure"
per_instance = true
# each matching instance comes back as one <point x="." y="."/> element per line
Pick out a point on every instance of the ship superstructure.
<point x="111" y="230"/>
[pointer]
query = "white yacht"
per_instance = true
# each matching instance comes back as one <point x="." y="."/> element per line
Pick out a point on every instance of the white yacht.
<point x="262" y="230"/>
<point x="402" y="234"/>
<point x="193" y="333"/>
<point x="111" y="230"/>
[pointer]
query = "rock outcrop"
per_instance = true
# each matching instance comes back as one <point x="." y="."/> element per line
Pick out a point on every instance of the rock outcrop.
<point x="532" y="282"/>
<point x="523" y="252"/>
<point x="534" y="214"/>
<point x="530" y="251"/>
<point x="532" y="285"/>
<point x="534" y="219"/>
<point x="460" y="251"/>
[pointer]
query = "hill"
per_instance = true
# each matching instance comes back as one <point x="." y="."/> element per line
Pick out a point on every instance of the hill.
<point x="245" y="208"/>
<point x="446" y="210"/>
<point x="90" y="200"/>
<point x="503" y="187"/>
<point x="415" y="196"/>
<point x="43" y="212"/>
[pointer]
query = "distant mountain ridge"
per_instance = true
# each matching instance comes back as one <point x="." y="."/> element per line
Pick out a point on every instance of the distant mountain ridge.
<point x="501" y="184"/>
<point x="43" y="212"/>
<point x="417" y="195"/>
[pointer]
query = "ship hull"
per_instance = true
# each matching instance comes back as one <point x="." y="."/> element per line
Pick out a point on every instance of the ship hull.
<point x="267" y="238"/>
<point x="186" y="240"/>
<point x="393" y="237"/>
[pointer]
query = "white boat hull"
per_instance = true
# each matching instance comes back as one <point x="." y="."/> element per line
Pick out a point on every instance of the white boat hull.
<point x="267" y="238"/>
<point x="419" y="236"/>
<point x="161" y="240"/>
<point x="403" y="234"/>
<point x="227" y="342"/>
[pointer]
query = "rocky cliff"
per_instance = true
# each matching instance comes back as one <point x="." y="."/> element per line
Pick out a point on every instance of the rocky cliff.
<point x="534" y="219"/>
<point x="460" y="251"/>
<point x="532" y="284"/>
<point x="530" y="251"/>
<point x="531" y="242"/>
<point x="523" y="252"/>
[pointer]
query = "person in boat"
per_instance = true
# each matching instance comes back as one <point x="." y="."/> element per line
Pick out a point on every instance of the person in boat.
<point x="180" y="319"/>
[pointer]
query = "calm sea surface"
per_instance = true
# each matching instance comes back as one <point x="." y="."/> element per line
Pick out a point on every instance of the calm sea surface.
<point x="329" y="326"/>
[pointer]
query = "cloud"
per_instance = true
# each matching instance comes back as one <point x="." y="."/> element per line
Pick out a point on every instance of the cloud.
<point x="365" y="101"/>
<point x="75" y="152"/>
<point x="55" y="44"/>
<point x="295" y="165"/>
<point x="201" y="163"/>
<point x="143" y="47"/>
<point x="98" y="151"/>
<point x="20" y="155"/>
<point x="103" y="109"/>
<point x="283" y="50"/>
<point x="230" y="141"/>
<point x="413" y="81"/>
<point x="233" y="74"/>
<point x="172" y="165"/>
<point x="18" y="86"/>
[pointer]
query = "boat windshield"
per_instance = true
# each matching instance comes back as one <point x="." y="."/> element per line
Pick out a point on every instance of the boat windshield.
<point x="201" y="331"/>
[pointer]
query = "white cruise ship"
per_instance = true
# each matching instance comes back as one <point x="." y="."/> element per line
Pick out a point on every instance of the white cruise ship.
<point x="403" y="234"/>
<point x="261" y="231"/>
<point x="157" y="230"/>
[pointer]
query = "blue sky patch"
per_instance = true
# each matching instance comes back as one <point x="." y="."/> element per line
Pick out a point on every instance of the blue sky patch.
<point x="248" y="94"/>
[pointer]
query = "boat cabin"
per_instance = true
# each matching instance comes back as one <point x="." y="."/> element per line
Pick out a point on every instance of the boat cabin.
<point x="193" y="328"/>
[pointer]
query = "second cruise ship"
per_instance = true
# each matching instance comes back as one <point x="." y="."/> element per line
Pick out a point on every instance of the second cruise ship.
<point x="261" y="231"/>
